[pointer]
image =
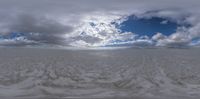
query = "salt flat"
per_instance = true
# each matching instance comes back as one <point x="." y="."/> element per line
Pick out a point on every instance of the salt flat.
<point x="125" y="73"/>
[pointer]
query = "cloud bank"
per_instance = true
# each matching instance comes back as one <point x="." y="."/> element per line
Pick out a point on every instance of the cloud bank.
<point x="92" y="23"/>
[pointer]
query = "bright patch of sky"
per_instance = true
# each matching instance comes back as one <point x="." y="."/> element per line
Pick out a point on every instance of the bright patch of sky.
<point x="148" y="27"/>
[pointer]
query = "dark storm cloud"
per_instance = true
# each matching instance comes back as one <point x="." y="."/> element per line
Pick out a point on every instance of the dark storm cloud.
<point x="36" y="24"/>
<point x="38" y="28"/>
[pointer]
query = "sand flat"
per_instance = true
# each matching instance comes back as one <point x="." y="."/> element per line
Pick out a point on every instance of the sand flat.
<point x="127" y="73"/>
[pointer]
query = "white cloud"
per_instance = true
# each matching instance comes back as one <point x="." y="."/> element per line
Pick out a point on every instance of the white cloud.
<point x="159" y="36"/>
<point x="98" y="26"/>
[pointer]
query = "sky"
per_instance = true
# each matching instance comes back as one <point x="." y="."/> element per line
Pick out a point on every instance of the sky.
<point x="99" y="23"/>
<point x="148" y="27"/>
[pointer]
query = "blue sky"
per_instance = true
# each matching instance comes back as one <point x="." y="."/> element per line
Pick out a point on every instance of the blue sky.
<point x="11" y="35"/>
<point x="148" y="27"/>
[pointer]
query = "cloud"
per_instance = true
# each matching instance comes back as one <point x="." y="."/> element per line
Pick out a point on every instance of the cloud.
<point x="37" y="28"/>
<point x="159" y="36"/>
<point x="195" y="43"/>
<point x="38" y="24"/>
<point x="90" y="22"/>
<point x="19" y="41"/>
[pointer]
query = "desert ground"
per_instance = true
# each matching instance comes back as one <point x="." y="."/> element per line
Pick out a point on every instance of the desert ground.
<point x="157" y="73"/>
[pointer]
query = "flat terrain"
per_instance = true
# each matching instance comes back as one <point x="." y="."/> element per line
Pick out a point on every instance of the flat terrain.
<point x="128" y="73"/>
